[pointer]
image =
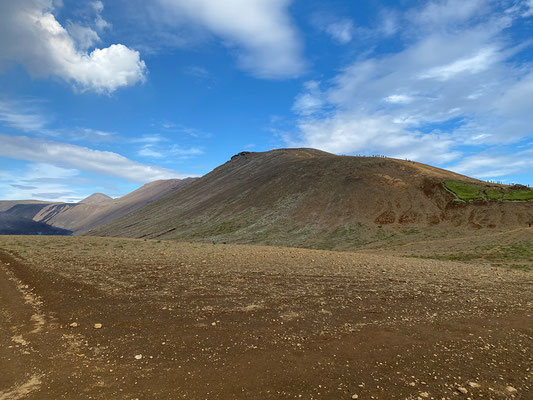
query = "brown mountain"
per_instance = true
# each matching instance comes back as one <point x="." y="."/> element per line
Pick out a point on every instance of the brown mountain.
<point x="100" y="209"/>
<point x="96" y="198"/>
<point x="306" y="197"/>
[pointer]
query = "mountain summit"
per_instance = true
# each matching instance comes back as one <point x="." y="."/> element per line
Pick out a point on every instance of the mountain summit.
<point x="96" y="198"/>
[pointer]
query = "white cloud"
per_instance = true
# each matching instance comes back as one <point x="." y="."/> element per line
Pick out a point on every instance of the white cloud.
<point x="474" y="64"/>
<point x="529" y="9"/>
<point x="39" y="181"/>
<point x="71" y="156"/>
<point x="268" y="44"/>
<point x="399" y="99"/>
<point x="151" y="150"/>
<point x="24" y="117"/>
<point x="492" y="164"/>
<point x="444" y="13"/>
<point x="49" y="49"/>
<point x="341" y="31"/>
<point x="84" y="36"/>
<point x="309" y="101"/>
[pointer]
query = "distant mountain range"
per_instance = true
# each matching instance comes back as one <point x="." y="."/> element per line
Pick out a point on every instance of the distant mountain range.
<point x="93" y="211"/>
<point x="296" y="197"/>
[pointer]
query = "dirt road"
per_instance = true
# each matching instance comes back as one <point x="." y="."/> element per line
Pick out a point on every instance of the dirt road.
<point x="198" y="321"/>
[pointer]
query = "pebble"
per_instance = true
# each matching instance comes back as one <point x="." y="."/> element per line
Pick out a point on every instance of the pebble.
<point x="462" y="390"/>
<point x="424" y="395"/>
<point x="474" y="385"/>
<point x="511" y="389"/>
<point x="354" y="396"/>
<point x="74" y="324"/>
<point x="138" y="356"/>
<point x="98" y="326"/>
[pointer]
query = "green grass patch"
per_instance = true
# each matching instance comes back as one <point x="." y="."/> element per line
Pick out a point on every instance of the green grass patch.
<point x="514" y="195"/>
<point x="464" y="191"/>
<point x="494" y="194"/>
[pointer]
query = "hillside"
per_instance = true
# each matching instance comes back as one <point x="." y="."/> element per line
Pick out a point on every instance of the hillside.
<point x="15" y="225"/>
<point x="310" y="198"/>
<point x="7" y="204"/>
<point x="97" y="209"/>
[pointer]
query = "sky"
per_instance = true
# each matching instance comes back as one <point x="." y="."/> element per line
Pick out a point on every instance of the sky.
<point x="107" y="95"/>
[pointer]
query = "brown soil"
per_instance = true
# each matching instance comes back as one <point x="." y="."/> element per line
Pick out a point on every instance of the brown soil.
<point x="199" y="321"/>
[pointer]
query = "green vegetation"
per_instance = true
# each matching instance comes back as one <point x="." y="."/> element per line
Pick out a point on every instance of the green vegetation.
<point x="518" y="195"/>
<point x="471" y="192"/>
<point x="464" y="191"/>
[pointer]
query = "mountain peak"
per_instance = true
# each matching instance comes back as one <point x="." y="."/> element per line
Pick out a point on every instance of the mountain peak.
<point x="96" y="198"/>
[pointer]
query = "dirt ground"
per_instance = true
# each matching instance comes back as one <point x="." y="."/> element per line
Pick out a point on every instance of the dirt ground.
<point x="204" y="321"/>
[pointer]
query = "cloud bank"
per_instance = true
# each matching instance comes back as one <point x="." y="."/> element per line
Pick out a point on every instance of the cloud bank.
<point x="82" y="158"/>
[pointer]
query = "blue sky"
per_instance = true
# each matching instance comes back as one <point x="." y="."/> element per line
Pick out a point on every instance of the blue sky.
<point x="104" y="96"/>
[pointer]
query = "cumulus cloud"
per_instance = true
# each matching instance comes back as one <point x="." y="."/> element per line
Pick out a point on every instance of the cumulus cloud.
<point x="261" y="30"/>
<point x="452" y="85"/>
<point x="82" y="158"/>
<point x="51" y="50"/>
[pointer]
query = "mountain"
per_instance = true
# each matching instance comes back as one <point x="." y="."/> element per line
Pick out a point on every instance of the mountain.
<point x="96" y="209"/>
<point x="15" y="225"/>
<point x="307" y="197"/>
<point x="83" y="216"/>
<point x="96" y="198"/>
<point x="7" y="204"/>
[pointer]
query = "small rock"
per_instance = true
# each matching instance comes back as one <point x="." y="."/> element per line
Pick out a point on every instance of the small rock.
<point x="474" y="385"/>
<point x="73" y="325"/>
<point x="354" y="396"/>
<point x="462" y="390"/>
<point x="98" y="326"/>
<point x="214" y="323"/>
<point x="138" y="356"/>
<point x="511" y="389"/>
<point x="424" y="395"/>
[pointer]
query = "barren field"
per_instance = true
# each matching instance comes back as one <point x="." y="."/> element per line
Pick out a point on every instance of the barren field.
<point x="100" y="318"/>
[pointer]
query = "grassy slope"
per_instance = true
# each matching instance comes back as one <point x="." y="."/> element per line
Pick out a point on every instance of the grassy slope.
<point x="469" y="191"/>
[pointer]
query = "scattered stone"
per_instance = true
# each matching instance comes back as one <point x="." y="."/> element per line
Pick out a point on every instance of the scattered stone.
<point x="474" y="385"/>
<point x="462" y="390"/>
<point x="424" y="395"/>
<point x="98" y="326"/>
<point x="354" y="396"/>
<point x="511" y="389"/>
<point x="74" y="325"/>
<point x="138" y="356"/>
